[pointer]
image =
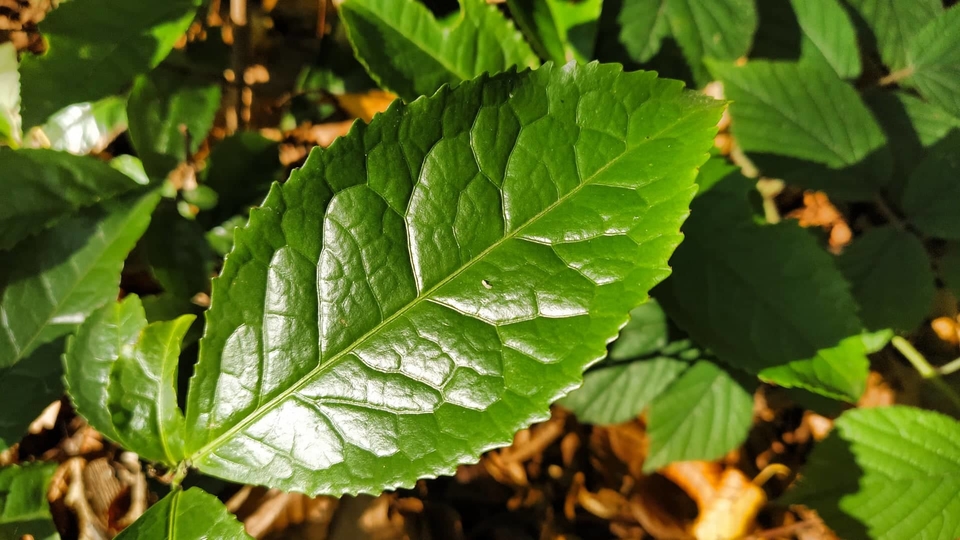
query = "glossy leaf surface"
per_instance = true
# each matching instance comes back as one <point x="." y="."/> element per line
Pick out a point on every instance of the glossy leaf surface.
<point x="780" y="312"/>
<point x="559" y="30"/>
<point x="47" y="186"/>
<point x="122" y="373"/>
<point x="88" y="127"/>
<point x="411" y="53"/>
<point x="108" y="41"/>
<point x="934" y="58"/>
<point x="62" y="275"/>
<point x="186" y="515"/>
<point x="886" y="473"/>
<point x="431" y="282"/>
<point x="24" y="511"/>
<point x="890" y="277"/>
<point x="893" y="23"/>
<point x="701" y="416"/>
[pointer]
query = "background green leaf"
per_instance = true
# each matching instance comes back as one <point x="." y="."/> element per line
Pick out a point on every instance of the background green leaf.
<point x="886" y="473"/>
<point x="893" y="23"/>
<point x="83" y="128"/>
<point x="186" y="515"/>
<point x="645" y="333"/>
<point x="9" y="96"/>
<point x="934" y="57"/>
<point x="890" y="277"/>
<point x="95" y="48"/>
<point x="47" y="186"/>
<point x="240" y="170"/>
<point x="500" y="300"/>
<point x="27" y="388"/>
<point x="643" y="25"/>
<point x="701" y="416"/>
<point x="932" y="195"/>
<point x="829" y="31"/>
<point x="408" y="51"/>
<point x="23" y="502"/>
<point x="121" y="374"/>
<point x="559" y="30"/>
<point x="721" y="29"/>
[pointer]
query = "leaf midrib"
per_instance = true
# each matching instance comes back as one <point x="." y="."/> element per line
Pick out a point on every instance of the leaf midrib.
<point x="257" y="413"/>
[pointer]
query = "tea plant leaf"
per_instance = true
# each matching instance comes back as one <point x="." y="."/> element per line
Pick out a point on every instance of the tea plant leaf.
<point x="779" y="312"/>
<point x="9" y="96"/>
<point x="121" y="374"/>
<point x="720" y="29"/>
<point x="932" y="194"/>
<point x="24" y="511"/>
<point x="805" y="111"/>
<point x="934" y="58"/>
<point x="455" y="266"/>
<point x="186" y="515"/>
<point x="108" y="41"/>
<point x="701" y="416"/>
<point x="645" y="333"/>
<point x="83" y="128"/>
<point x="890" y="277"/>
<point x="643" y="25"/>
<point x="47" y="186"/>
<point x="27" y="388"/>
<point x="894" y="23"/>
<point x="161" y="104"/>
<point x="51" y="283"/>
<point x="619" y="391"/>
<point x="559" y="30"/>
<point x="409" y="52"/>
<point x="827" y="27"/>
<point x="886" y="473"/>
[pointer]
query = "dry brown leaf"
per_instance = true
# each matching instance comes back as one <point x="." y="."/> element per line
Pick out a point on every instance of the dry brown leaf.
<point x="733" y="510"/>
<point x="365" y="106"/>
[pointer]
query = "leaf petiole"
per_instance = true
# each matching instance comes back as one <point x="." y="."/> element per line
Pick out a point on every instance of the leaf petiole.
<point x="924" y="368"/>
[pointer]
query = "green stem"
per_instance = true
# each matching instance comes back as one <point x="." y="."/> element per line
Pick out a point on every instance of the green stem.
<point x="950" y="367"/>
<point x="179" y="475"/>
<point x="924" y="368"/>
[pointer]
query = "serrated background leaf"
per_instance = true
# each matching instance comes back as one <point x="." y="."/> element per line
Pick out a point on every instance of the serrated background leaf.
<point x="643" y="25"/>
<point x="483" y="311"/>
<point x="412" y="54"/>
<point x="890" y="277"/>
<point x="186" y="515"/>
<point x="559" y="30"/>
<point x="88" y="127"/>
<point x="721" y="29"/>
<point x="829" y="30"/>
<point x="48" y="186"/>
<point x="894" y="22"/>
<point x="106" y="42"/>
<point x="121" y="374"/>
<point x="23" y="502"/>
<point x="701" y="416"/>
<point x="932" y="194"/>
<point x="934" y="56"/>
<point x="886" y="473"/>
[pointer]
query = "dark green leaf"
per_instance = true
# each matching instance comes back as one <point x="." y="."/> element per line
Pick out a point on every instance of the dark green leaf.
<point x="894" y="23"/>
<point x="643" y="25"/>
<point x="9" y="96"/>
<point x="804" y="111"/>
<point x="27" y="388"/>
<point x="411" y="53"/>
<point x="47" y="186"/>
<point x="778" y="311"/>
<point x="618" y="392"/>
<point x="934" y="58"/>
<point x="890" y="277"/>
<point x="701" y="416"/>
<point x="949" y="268"/>
<point x="559" y="30"/>
<point x="932" y="195"/>
<point x="886" y="473"/>
<point x="95" y="48"/>
<point x="51" y="283"/>
<point x="83" y="128"/>
<point x="240" y="170"/>
<point x="220" y="237"/>
<point x="646" y="332"/>
<point x="829" y="32"/>
<point x="186" y="515"/>
<point x="121" y="374"/>
<point x="170" y="115"/>
<point x="720" y="29"/>
<point x="23" y="502"/>
<point x="427" y="285"/>
<point x="178" y="253"/>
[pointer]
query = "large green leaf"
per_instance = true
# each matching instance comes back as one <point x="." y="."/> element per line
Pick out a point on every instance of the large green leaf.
<point x="27" y="388"/>
<point x="764" y="298"/>
<point x="9" y="96"/>
<point x="409" y="52"/>
<point x="431" y="282"/>
<point x="47" y="186"/>
<point x="894" y="22"/>
<point x="827" y="28"/>
<point x="122" y="372"/>
<point x="721" y="29"/>
<point x="804" y="111"/>
<point x="560" y="30"/>
<point x="82" y="128"/>
<point x="24" y="511"/>
<point x="619" y="391"/>
<point x="95" y="48"/>
<point x="170" y="115"/>
<point x="932" y="194"/>
<point x="701" y="416"/>
<point x="934" y="58"/>
<point x="886" y="474"/>
<point x="186" y="515"/>
<point x="891" y="279"/>
<point x="51" y="283"/>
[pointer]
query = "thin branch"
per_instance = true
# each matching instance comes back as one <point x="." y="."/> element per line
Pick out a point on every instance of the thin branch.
<point x="896" y="76"/>
<point x="924" y="368"/>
